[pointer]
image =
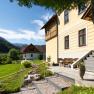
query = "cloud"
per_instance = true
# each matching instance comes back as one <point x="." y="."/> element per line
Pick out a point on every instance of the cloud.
<point x="46" y="17"/>
<point x="40" y="23"/>
<point x="25" y="34"/>
<point x="22" y="34"/>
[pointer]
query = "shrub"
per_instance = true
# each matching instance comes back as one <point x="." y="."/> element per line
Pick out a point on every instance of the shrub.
<point x="82" y="70"/>
<point x="13" y="54"/>
<point x="40" y="57"/>
<point x="43" y="71"/>
<point x="3" y="58"/>
<point x="26" y="63"/>
<point x="9" y="61"/>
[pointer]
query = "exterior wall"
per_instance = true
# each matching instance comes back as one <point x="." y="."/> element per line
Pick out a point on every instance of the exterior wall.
<point x="28" y="56"/>
<point x="51" y="50"/>
<point x="75" y="24"/>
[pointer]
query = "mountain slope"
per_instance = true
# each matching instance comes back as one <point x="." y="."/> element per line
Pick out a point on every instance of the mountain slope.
<point x="5" y="46"/>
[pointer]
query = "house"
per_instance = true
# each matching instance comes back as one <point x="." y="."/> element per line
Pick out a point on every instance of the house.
<point x="42" y="49"/>
<point x="31" y="52"/>
<point x="70" y="37"/>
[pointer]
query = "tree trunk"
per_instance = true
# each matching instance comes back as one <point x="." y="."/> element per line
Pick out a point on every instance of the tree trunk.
<point x="92" y="7"/>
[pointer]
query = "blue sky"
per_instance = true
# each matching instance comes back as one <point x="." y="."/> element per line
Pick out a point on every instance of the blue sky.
<point x="21" y="24"/>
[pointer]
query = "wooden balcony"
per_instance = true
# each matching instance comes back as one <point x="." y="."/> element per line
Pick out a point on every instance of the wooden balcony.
<point x="51" y="35"/>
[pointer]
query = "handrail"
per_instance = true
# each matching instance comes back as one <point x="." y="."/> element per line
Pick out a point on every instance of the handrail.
<point x="80" y="59"/>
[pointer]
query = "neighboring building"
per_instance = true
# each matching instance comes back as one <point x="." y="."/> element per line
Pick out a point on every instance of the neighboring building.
<point x="32" y="52"/>
<point x="69" y="36"/>
<point x="42" y="49"/>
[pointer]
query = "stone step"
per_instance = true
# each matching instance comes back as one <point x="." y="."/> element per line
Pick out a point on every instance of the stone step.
<point x="67" y="77"/>
<point x="91" y="55"/>
<point x="90" y="68"/>
<point x="90" y="58"/>
<point x="89" y="61"/>
<point x="45" y="88"/>
<point x="58" y="82"/>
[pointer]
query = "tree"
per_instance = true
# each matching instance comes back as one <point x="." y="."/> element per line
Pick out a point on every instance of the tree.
<point x="13" y="54"/>
<point x="57" y="5"/>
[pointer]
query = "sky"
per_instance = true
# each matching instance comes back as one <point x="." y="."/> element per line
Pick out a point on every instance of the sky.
<point x="22" y="24"/>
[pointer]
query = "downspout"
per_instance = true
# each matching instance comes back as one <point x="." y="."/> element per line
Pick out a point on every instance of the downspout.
<point x="57" y="41"/>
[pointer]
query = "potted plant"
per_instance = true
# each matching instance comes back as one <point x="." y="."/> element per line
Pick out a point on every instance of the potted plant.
<point x="82" y="70"/>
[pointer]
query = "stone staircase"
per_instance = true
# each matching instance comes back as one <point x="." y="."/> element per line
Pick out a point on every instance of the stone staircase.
<point x="51" y="85"/>
<point x="89" y="62"/>
<point x="58" y="82"/>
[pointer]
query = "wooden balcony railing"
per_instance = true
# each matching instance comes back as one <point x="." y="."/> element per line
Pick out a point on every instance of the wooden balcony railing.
<point x="51" y="35"/>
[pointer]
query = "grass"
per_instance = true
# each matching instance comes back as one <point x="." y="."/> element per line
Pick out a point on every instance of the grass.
<point x="78" y="90"/>
<point x="14" y="82"/>
<point x="37" y="61"/>
<point x="9" y="69"/>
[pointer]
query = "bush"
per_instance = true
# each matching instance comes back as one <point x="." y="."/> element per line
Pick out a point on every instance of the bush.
<point x="3" y="58"/>
<point x="9" y="61"/>
<point x="43" y="71"/>
<point x="82" y="70"/>
<point x="26" y="63"/>
<point x="13" y="54"/>
<point x="40" y="57"/>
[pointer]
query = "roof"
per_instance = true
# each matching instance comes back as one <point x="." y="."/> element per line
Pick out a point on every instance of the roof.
<point x="54" y="17"/>
<point x="30" y="49"/>
<point x="41" y="48"/>
<point x="87" y="13"/>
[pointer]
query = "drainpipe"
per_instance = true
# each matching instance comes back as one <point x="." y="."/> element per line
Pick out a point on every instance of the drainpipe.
<point x="57" y="41"/>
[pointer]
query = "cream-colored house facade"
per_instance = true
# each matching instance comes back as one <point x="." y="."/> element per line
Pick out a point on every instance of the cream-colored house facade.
<point x="75" y="36"/>
<point x="72" y="29"/>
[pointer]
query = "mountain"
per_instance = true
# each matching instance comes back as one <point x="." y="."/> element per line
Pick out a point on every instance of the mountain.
<point x="20" y="45"/>
<point x="5" y="46"/>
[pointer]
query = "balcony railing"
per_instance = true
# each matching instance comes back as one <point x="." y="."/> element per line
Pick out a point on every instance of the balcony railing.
<point x="51" y="35"/>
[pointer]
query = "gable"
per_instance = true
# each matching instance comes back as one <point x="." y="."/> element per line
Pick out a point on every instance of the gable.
<point x="30" y="49"/>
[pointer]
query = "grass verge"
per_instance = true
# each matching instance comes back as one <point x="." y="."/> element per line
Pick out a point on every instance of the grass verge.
<point x="78" y="90"/>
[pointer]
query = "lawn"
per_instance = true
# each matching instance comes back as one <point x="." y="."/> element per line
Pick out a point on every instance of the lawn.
<point x="12" y="75"/>
<point x="11" y="82"/>
<point x="37" y="61"/>
<point x="78" y="90"/>
<point x="9" y="69"/>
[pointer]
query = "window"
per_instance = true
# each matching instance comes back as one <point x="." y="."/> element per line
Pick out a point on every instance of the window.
<point x="82" y="37"/>
<point x="81" y="8"/>
<point x="31" y="55"/>
<point x="66" y="16"/>
<point x="66" y="42"/>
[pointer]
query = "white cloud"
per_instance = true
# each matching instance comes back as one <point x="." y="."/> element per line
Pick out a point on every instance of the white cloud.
<point x="38" y="22"/>
<point x="25" y="33"/>
<point x="46" y="16"/>
<point x="21" y="34"/>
